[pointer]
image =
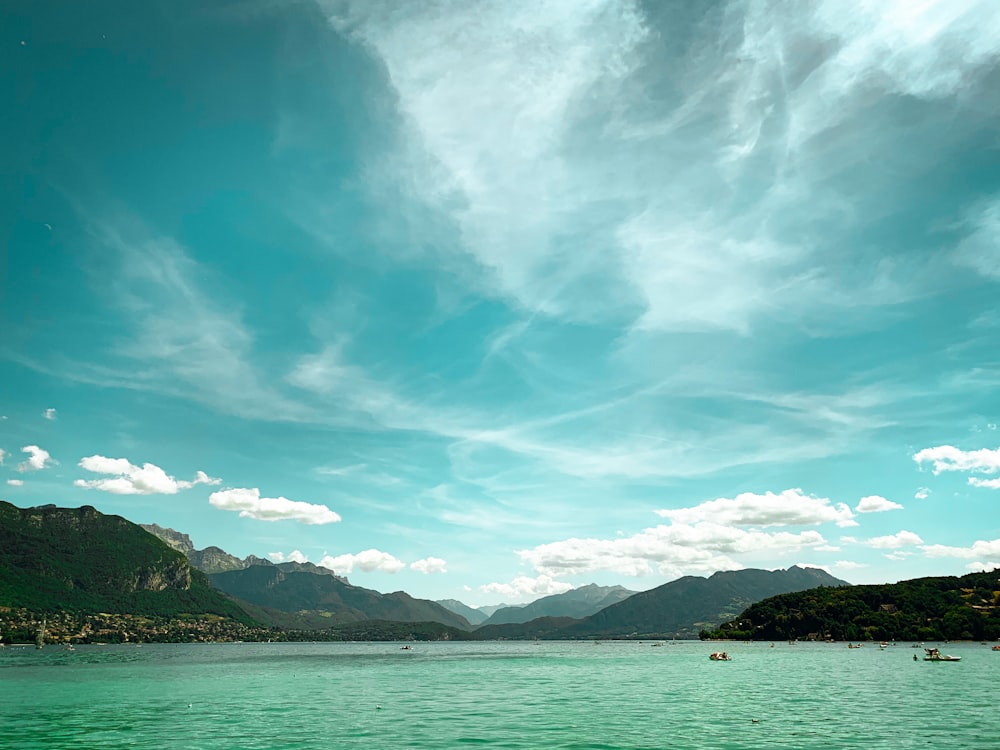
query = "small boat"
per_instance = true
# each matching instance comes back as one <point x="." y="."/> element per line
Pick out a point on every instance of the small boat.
<point x="405" y="648"/>
<point x="934" y="655"/>
<point x="996" y="648"/>
<point x="720" y="656"/>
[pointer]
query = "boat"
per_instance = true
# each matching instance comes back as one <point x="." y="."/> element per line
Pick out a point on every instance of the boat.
<point x="932" y="654"/>
<point x="720" y="656"/>
<point x="996" y="648"/>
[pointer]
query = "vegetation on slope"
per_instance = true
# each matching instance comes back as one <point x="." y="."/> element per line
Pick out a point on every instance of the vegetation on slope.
<point x="922" y="609"/>
<point x="77" y="559"/>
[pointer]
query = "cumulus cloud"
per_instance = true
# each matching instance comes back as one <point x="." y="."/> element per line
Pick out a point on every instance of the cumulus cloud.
<point x="992" y="484"/>
<point x="894" y="541"/>
<point x="293" y="556"/>
<point x="250" y="504"/>
<point x="369" y="561"/>
<point x="49" y="414"/>
<point x="876" y="504"/>
<point x="128" y="479"/>
<point x="922" y="493"/>
<point x="15" y="482"/>
<point x="524" y="587"/>
<point x="985" y="550"/>
<point x="37" y="459"/>
<point x="430" y="565"/>
<point x="849" y="565"/>
<point x="788" y="508"/>
<point x="673" y="550"/>
<point x="982" y="567"/>
<point x="950" y="458"/>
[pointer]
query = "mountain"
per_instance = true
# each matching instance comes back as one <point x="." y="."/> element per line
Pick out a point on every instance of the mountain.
<point x="291" y="588"/>
<point x="921" y="609"/>
<point x="489" y="609"/>
<point x="78" y="559"/>
<point x="473" y="615"/>
<point x="683" y="607"/>
<point x="208" y="560"/>
<point x="577" y="603"/>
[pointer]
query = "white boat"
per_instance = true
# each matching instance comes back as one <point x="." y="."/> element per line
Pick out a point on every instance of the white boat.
<point x="934" y="655"/>
<point x="720" y="656"/>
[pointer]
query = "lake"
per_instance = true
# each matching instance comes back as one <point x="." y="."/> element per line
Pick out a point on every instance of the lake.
<point x="608" y="695"/>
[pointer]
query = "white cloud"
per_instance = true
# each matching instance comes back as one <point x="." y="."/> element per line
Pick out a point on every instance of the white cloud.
<point x="674" y="550"/>
<point x="526" y="588"/>
<point x="3" y="455"/>
<point x="849" y="565"/>
<point x="992" y="484"/>
<point x="15" y="482"/>
<point x="50" y="414"/>
<point x="922" y="493"/>
<point x="37" y="459"/>
<point x="369" y="561"/>
<point x="950" y="458"/>
<point x="876" y="504"/>
<point x="982" y="567"/>
<point x="987" y="550"/>
<point x="897" y="555"/>
<point x="430" y="565"/>
<point x="293" y="556"/>
<point x="788" y="508"/>
<point x="251" y="505"/>
<point x="827" y="548"/>
<point x="894" y="541"/>
<point x="129" y="479"/>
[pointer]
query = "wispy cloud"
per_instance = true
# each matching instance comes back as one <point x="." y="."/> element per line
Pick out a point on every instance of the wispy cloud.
<point x="895" y="541"/>
<point x="50" y="414"/>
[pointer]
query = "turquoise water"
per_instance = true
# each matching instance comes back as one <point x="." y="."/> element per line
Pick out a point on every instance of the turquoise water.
<point x="496" y="695"/>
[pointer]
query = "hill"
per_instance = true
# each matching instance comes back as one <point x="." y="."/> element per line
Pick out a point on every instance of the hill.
<point x="684" y="607"/>
<point x="576" y="603"/>
<point x="80" y="560"/>
<point x="300" y="590"/>
<point x="473" y="615"/>
<point x="922" y="609"/>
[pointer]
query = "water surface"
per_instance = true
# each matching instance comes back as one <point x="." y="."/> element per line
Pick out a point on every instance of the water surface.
<point x="608" y="695"/>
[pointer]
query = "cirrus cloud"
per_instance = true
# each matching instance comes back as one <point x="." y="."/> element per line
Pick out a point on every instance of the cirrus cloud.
<point x="250" y="504"/>
<point x="129" y="479"/>
<point x="369" y="561"/>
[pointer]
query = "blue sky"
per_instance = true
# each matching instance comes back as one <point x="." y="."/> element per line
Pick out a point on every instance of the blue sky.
<point x="488" y="300"/>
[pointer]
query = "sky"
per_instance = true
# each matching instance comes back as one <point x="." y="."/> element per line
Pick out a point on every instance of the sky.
<point x="489" y="300"/>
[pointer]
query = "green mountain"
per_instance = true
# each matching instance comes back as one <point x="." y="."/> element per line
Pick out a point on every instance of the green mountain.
<point x="80" y="560"/>
<point x="684" y="607"/>
<point x="922" y="609"/>
<point x="473" y="615"/>
<point x="576" y="603"/>
<point x="679" y="609"/>
<point x="298" y="590"/>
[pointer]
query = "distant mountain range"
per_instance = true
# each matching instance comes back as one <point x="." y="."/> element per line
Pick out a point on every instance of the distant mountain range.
<point x="77" y="559"/>
<point x="679" y="609"/>
<point x="317" y="596"/>
<point x="577" y="603"/>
